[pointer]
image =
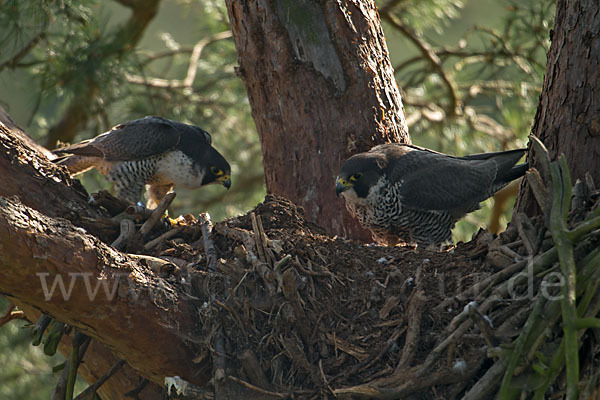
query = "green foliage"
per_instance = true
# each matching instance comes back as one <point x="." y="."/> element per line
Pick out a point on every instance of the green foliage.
<point x="425" y="15"/>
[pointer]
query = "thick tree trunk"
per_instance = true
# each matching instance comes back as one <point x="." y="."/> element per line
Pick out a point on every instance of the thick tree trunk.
<point x="568" y="116"/>
<point x="321" y="88"/>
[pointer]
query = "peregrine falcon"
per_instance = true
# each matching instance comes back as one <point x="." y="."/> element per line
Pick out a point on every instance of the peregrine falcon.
<point x="405" y="193"/>
<point x="151" y="151"/>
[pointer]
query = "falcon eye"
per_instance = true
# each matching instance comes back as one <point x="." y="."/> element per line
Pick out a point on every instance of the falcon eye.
<point x="355" y="177"/>
<point x="216" y="171"/>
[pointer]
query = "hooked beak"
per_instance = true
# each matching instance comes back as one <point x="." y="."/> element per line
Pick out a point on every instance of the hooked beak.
<point x="225" y="181"/>
<point x="341" y="185"/>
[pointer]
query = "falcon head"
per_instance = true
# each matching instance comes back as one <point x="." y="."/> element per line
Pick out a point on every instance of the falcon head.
<point x="217" y="169"/>
<point x="358" y="174"/>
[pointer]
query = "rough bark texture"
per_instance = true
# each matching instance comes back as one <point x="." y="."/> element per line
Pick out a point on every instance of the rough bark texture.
<point x="134" y="316"/>
<point x="39" y="184"/>
<point x="321" y="88"/>
<point x="568" y="115"/>
<point x="28" y="174"/>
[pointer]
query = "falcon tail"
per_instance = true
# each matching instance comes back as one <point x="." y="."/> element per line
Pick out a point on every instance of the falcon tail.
<point x="76" y="164"/>
<point x="78" y="157"/>
<point x="505" y="161"/>
<point x="514" y="173"/>
<point x="507" y="170"/>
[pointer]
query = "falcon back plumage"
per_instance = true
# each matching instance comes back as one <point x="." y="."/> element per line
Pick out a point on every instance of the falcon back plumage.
<point x="405" y="193"/>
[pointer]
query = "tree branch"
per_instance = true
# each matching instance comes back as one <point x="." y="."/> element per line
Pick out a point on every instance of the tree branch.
<point x="430" y="55"/>
<point x="188" y="81"/>
<point x="39" y="253"/>
<point x="40" y="184"/>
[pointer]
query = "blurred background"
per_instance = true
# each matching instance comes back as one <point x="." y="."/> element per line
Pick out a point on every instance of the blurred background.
<point x="470" y="73"/>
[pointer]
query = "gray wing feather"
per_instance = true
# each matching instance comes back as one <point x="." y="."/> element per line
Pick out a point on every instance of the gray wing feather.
<point x="432" y="181"/>
<point x="137" y="139"/>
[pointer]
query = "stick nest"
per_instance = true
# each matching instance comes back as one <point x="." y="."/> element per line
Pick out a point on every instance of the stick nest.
<point x="287" y="311"/>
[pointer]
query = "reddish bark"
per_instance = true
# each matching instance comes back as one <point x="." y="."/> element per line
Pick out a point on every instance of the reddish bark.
<point x="131" y="314"/>
<point x="568" y="115"/>
<point x="27" y="173"/>
<point x="321" y="88"/>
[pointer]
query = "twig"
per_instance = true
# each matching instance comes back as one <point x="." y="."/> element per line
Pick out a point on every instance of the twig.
<point x="349" y="348"/>
<point x="523" y="225"/>
<point x="484" y="326"/>
<point x="373" y="359"/>
<point x="137" y="212"/>
<point x="541" y="155"/>
<point x="156" y="264"/>
<point x="157" y="214"/>
<point x="258" y="238"/>
<point x="253" y="369"/>
<point x="92" y="389"/>
<point x="165" y="236"/>
<point x="246" y="238"/>
<point x="209" y="246"/>
<point x="481" y="286"/>
<point x="485" y="385"/>
<point x="134" y="393"/>
<point x="430" y="55"/>
<point x="324" y="377"/>
<point x="234" y="315"/>
<point x="499" y="292"/>
<point x="127" y="232"/>
<point x="295" y="351"/>
<point x="413" y="316"/>
<point x="264" y="240"/>
<point x="519" y="347"/>
<point x="290" y="292"/>
<point x="256" y="388"/>
<point x="404" y="385"/>
<point x="556" y="365"/>
<point x="540" y="193"/>
<point x="238" y="234"/>
<point x="9" y="314"/>
<point x="188" y="81"/>
<point x="113" y="205"/>
<point x="584" y="228"/>
<point x="53" y="337"/>
<point x="80" y="345"/>
<point x="219" y="359"/>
